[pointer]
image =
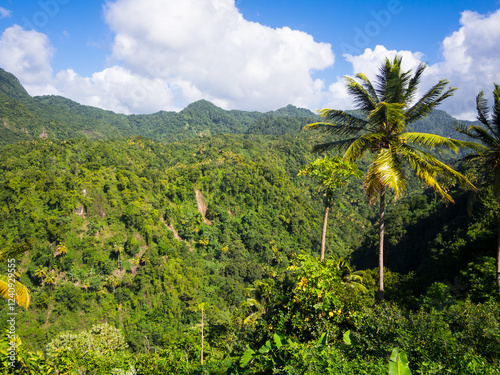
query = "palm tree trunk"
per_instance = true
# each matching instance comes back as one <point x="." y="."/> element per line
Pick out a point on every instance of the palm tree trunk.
<point x="381" y="246"/>
<point x="323" y="236"/>
<point x="498" y="254"/>
<point x="202" y="337"/>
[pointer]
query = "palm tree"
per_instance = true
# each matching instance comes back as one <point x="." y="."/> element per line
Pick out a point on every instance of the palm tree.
<point x="489" y="135"/>
<point x="41" y="273"/>
<point x="390" y="108"/>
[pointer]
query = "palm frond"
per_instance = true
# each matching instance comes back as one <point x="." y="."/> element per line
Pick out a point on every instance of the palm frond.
<point x="438" y="166"/>
<point x="389" y="116"/>
<point x="21" y="293"/>
<point x="382" y="78"/>
<point x="396" y="83"/>
<point x="429" y="101"/>
<point x="362" y="144"/>
<point x="414" y="82"/>
<point x="483" y="110"/>
<point x="426" y="172"/>
<point x="496" y="111"/>
<point x="390" y="170"/>
<point x="362" y="98"/>
<point x="433" y="141"/>
<point x="367" y="85"/>
<point x="335" y="145"/>
<point x="386" y="171"/>
<point x="372" y="184"/>
<point x="342" y="118"/>
<point x="481" y="134"/>
<point x="327" y="127"/>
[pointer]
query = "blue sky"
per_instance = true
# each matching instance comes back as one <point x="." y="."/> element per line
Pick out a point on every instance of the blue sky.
<point x="141" y="56"/>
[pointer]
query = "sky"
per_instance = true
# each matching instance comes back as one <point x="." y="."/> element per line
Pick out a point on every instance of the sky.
<point x="143" y="56"/>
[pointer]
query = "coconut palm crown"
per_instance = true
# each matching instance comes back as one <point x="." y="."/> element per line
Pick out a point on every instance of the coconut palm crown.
<point x="488" y="133"/>
<point x="391" y="106"/>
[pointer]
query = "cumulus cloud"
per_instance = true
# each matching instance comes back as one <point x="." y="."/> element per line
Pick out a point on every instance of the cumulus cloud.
<point x="26" y="54"/>
<point x="370" y="61"/>
<point x="118" y="89"/>
<point x="167" y="54"/>
<point x="471" y="58"/>
<point x="206" y="49"/>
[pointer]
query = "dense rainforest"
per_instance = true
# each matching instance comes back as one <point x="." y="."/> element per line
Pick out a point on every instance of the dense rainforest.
<point x="186" y="243"/>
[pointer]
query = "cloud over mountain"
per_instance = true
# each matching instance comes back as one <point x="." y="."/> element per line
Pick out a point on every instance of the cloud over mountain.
<point x="165" y="54"/>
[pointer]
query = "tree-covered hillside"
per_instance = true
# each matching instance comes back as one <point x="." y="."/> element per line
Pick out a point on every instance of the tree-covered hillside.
<point x="27" y="118"/>
<point x="187" y="243"/>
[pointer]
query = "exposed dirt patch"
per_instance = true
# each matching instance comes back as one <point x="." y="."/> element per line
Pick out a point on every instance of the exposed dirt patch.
<point x="176" y="234"/>
<point x="202" y="207"/>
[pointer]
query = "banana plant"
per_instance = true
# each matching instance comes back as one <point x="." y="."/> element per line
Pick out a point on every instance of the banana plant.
<point x="398" y="363"/>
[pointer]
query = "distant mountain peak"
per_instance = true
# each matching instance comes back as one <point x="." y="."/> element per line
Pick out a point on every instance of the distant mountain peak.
<point x="291" y="111"/>
<point x="10" y="86"/>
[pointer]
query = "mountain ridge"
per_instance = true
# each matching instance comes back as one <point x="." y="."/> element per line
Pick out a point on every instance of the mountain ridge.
<point x="26" y="118"/>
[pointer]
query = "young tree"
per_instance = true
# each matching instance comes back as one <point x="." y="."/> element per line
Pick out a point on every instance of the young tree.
<point x="332" y="173"/>
<point x="390" y="108"/>
<point x="488" y="133"/>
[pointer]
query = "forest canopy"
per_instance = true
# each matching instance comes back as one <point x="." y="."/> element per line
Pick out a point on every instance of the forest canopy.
<point x="155" y="233"/>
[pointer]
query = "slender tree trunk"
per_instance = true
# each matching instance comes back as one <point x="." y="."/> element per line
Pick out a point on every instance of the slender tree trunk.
<point x="323" y="236"/>
<point x="381" y="246"/>
<point x="202" y="337"/>
<point x="498" y="254"/>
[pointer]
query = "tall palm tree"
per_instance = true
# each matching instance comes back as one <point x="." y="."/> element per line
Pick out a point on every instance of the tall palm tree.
<point x="489" y="135"/>
<point x="390" y="106"/>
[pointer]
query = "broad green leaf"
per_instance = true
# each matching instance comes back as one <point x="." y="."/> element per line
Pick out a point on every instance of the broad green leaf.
<point x="323" y="339"/>
<point x="265" y="348"/>
<point x="277" y="340"/>
<point x="398" y="364"/>
<point x="347" y="337"/>
<point x="247" y="357"/>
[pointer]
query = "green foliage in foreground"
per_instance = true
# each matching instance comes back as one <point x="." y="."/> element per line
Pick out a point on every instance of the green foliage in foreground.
<point x="314" y="320"/>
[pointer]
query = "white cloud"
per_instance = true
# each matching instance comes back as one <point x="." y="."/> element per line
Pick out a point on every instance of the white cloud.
<point x="167" y="54"/>
<point x="206" y="49"/>
<point x="471" y="58"/>
<point x="471" y="61"/>
<point x="369" y="64"/>
<point x="116" y="88"/>
<point x="370" y="61"/>
<point x="26" y="54"/>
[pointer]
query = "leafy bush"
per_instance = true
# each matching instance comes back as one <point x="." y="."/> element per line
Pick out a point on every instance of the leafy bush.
<point x="100" y="340"/>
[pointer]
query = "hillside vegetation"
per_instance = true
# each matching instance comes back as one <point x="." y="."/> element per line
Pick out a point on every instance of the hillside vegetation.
<point x="147" y="232"/>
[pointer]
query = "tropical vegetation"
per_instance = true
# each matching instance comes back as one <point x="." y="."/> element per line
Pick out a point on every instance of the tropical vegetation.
<point x="390" y="107"/>
<point x="188" y="244"/>
<point x="488" y="133"/>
